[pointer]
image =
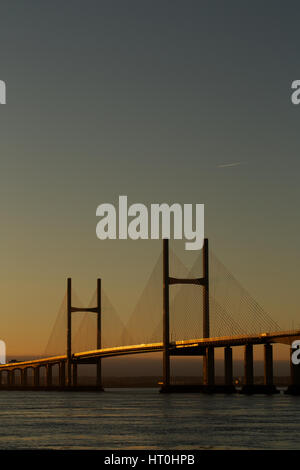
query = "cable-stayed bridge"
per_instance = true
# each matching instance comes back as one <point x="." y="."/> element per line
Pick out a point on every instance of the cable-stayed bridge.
<point x="201" y="309"/>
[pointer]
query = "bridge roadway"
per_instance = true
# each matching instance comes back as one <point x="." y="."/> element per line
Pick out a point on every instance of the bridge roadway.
<point x="185" y="347"/>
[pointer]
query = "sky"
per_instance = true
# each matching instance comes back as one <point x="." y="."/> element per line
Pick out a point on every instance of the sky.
<point x="162" y="101"/>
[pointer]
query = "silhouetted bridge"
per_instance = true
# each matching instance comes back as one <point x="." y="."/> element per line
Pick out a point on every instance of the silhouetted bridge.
<point x="205" y="347"/>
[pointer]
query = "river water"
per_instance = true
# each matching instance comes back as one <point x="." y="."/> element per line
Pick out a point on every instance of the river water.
<point x="145" y="419"/>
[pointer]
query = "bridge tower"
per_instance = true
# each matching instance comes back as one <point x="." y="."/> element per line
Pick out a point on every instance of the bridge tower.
<point x="208" y="366"/>
<point x="71" y="363"/>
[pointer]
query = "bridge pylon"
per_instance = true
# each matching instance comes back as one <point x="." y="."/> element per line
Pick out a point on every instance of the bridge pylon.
<point x="71" y="363"/>
<point x="167" y="282"/>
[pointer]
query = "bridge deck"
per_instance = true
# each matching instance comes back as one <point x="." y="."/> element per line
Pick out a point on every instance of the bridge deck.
<point x="285" y="337"/>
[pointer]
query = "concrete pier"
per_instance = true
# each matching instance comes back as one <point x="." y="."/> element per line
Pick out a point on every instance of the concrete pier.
<point x="99" y="375"/>
<point x="36" y="376"/>
<point x="209" y="367"/>
<point x="248" y="370"/>
<point x="74" y="374"/>
<point x="49" y="375"/>
<point x="268" y="365"/>
<point x="228" y="370"/>
<point x="12" y="383"/>
<point x="249" y="387"/>
<point x="62" y="374"/>
<point x="228" y="366"/>
<point x="248" y="365"/>
<point x="24" y="377"/>
<point x="12" y="377"/>
<point x="268" y="370"/>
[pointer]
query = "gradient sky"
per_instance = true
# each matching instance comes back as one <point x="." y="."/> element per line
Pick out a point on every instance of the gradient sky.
<point x="152" y="100"/>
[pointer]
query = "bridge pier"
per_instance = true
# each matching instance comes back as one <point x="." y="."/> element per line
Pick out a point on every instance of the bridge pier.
<point x="228" y="366"/>
<point x="74" y="374"/>
<point x="248" y="365"/>
<point x="12" y="377"/>
<point x="268" y="370"/>
<point x="62" y="374"/>
<point x="69" y="373"/>
<point x="268" y="364"/>
<point x="209" y="385"/>
<point x="99" y="375"/>
<point x="248" y="369"/>
<point x="36" y="376"/>
<point x="228" y="369"/>
<point x="24" y="377"/>
<point x="49" y="375"/>
<point x="209" y="367"/>
<point x="249" y="387"/>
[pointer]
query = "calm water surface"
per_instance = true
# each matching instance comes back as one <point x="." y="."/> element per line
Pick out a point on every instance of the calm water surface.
<point x="145" y="419"/>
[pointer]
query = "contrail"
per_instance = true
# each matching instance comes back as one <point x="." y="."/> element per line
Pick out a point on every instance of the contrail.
<point x="225" y="165"/>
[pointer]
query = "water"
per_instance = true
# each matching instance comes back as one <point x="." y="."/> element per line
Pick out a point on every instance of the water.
<point x="145" y="419"/>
